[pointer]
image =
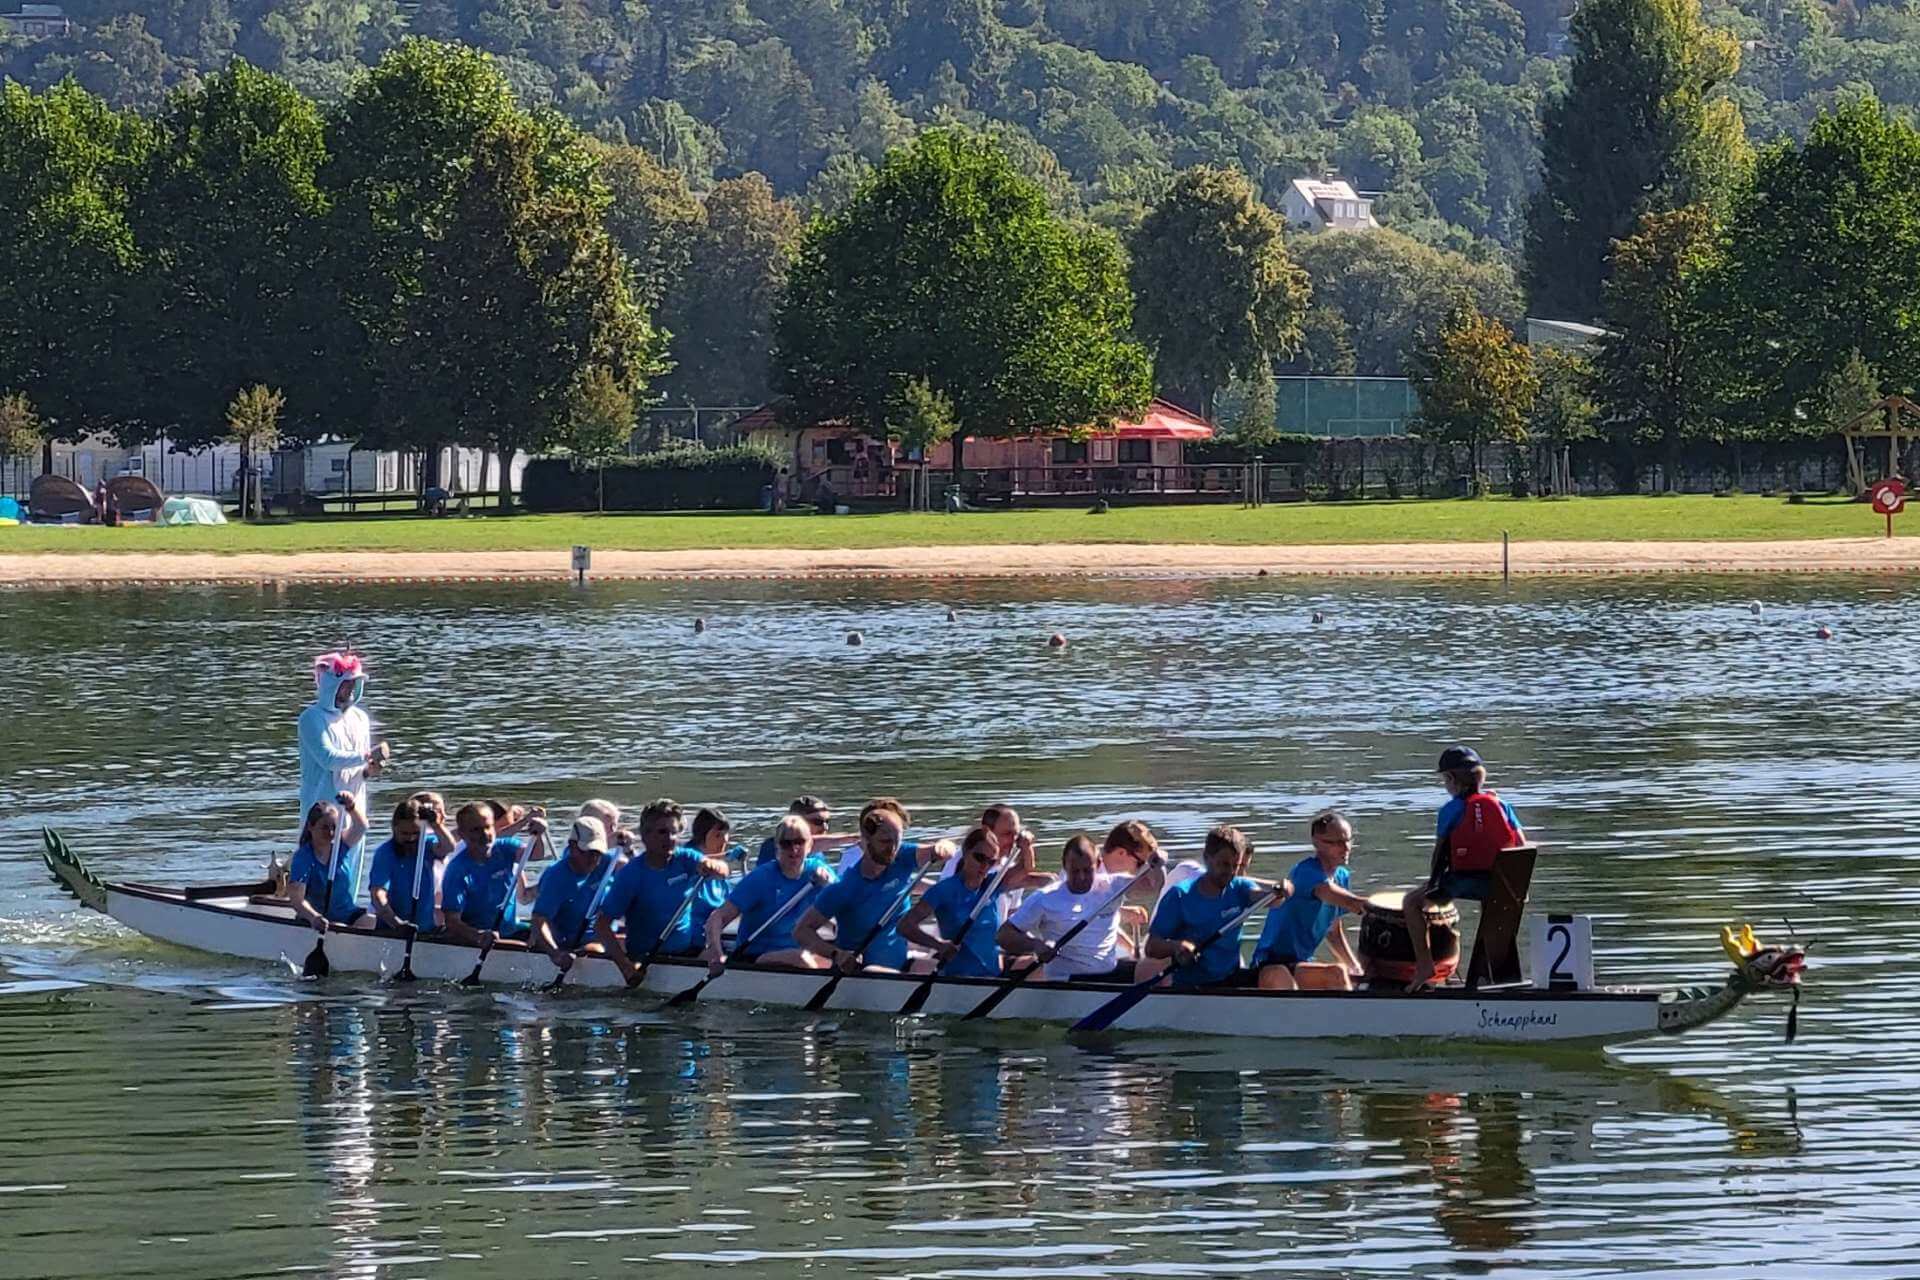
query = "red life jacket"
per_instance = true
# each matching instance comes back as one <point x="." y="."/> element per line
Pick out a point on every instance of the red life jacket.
<point x="1482" y="832"/>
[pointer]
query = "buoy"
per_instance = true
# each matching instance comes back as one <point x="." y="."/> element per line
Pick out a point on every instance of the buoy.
<point x="952" y="616"/>
<point x="699" y="625"/>
<point x="854" y="637"/>
<point x="1056" y="641"/>
<point x="1753" y="607"/>
<point x="1824" y="633"/>
<point x="1318" y="616"/>
<point x="1261" y="574"/>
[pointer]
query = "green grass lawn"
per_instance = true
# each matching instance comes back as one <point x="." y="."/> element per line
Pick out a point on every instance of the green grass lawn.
<point x="1627" y="519"/>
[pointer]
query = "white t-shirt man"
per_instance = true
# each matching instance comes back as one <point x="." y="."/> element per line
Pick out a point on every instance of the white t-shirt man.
<point x="1049" y="913"/>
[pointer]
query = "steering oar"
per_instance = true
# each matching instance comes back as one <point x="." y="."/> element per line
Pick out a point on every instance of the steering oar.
<point x="682" y="999"/>
<point x="825" y="993"/>
<point x="1011" y="983"/>
<point x="918" y="999"/>
<point x="499" y="916"/>
<point x="1110" y="1012"/>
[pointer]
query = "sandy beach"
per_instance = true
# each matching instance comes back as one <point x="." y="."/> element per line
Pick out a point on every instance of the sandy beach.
<point x="1121" y="560"/>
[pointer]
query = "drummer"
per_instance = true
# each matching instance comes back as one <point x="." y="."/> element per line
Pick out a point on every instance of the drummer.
<point x="1193" y="912"/>
<point x="1474" y="826"/>
<point x="1311" y="914"/>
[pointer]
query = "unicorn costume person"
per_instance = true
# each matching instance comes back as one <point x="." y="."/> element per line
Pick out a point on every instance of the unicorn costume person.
<point x="336" y="739"/>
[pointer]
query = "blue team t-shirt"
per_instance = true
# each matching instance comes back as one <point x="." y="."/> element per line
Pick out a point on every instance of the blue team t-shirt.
<point x="394" y="872"/>
<point x="309" y="870"/>
<point x="1296" y="928"/>
<point x="713" y="892"/>
<point x="566" y="896"/>
<point x="856" y="905"/>
<point x="1186" y="915"/>
<point x="645" y="897"/>
<point x="759" y="895"/>
<point x="474" y="890"/>
<point x="952" y="903"/>
<point x="1456" y="808"/>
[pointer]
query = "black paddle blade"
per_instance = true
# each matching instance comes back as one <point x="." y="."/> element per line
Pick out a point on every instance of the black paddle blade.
<point x="1110" y="1012"/>
<point x="405" y="974"/>
<point x="682" y="999"/>
<point x="918" y="1000"/>
<point x="824" y="994"/>
<point x="472" y="979"/>
<point x="317" y="965"/>
<point x="992" y="1002"/>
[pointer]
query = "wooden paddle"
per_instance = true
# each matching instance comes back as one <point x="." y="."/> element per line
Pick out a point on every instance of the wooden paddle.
<point x="499" y="916"/>
<point x="918" y="999"/>
<point x="1009" y="984"/>
<point x="640" y="974"/>
<point x="317" y="965"/>
<point x="684" y="998"/>
<point x="413" y="925"/>
<point x="1110" y="1012"/>
<point x="580" y="934"/>
<point x="825" y="993"/>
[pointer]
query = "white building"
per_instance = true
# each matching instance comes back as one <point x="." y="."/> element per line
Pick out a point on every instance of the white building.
<point x="1568" y="335"/>
<point x="38" y="21"/>
<point x="1326" y="204"/>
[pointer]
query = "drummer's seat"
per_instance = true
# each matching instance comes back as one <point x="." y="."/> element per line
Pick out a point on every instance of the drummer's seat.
<point x="1496" y="952"/>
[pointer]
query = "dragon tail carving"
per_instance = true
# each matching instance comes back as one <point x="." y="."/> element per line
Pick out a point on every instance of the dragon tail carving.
<point x="70" y="873"/>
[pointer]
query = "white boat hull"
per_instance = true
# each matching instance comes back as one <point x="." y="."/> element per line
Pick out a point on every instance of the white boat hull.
<point x="228" y="925"/>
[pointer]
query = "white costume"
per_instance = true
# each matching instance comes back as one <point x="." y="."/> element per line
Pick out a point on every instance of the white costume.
<point x="334" y="741"/>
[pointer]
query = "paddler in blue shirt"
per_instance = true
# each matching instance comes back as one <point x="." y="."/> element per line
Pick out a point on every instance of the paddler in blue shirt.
<point x="858" y="903"/>
<point x="952" y="902"/>
<point x="419" y="829"/>
<point x="709" y="837"/>
<point x="764" y="894"/>
<point x="323" y="879"/>
<point x="1311" y="915"/>
<point x="480" y="879"/>
<point x="562" y="926"/>
<point x="649" y="892"/>
<point x="1192" y="912"/>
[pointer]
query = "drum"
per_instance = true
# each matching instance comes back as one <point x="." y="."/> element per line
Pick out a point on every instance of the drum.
<point x="1386" y="949"/>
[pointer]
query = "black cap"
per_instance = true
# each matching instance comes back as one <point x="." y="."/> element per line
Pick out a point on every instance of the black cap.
<point x="1458" y="758"/>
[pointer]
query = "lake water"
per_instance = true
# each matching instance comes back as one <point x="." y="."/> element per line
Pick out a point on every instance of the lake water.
<point x="1683" y="761"/>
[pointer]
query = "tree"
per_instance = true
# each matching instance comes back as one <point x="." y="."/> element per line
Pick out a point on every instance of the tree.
<point x="1639" y="128"/>
<point x="921" y="419"/>
<point x="1564" y="412"/>
<point x="1848" y="395"/>
<point x="721" y="312"/>
<point x="599" y="423"/>
<point x="1215" y="294"/>
<point x="231" y="217"/>
<point x="19" y="427"/>
<point x="1656" y="369"/>
<point x="253" y="423"/>
<point x="1375" y="292"/>
<point x="1823" y="261"/>
<point x="66" y="251"/>
<point x="653" y="217"/>
<point x="1475" y="383"/>
<point x="477" y="256"/>
<point x="949" y="267"/>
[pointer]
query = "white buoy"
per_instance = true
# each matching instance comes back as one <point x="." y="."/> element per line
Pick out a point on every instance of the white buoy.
<point x="699" y="625"/>
<point x="854" y="637"/>
<point x="1824" y="633"/>
<point x="952" y="616"/>
<point x="1318" y="616"/>
<point x="1753" y="607"/>
<point x="1056" y="641"/>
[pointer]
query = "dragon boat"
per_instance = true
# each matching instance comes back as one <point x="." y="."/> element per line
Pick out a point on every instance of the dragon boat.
<point x="248" y="921"/>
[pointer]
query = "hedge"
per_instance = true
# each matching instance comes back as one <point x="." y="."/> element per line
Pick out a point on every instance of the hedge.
<point x="670" y="480"/>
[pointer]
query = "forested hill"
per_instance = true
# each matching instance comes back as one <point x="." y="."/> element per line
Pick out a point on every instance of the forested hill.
<point x="1433" y="102"/>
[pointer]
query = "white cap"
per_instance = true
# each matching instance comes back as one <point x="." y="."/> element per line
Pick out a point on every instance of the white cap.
<point x="590" y="834"/>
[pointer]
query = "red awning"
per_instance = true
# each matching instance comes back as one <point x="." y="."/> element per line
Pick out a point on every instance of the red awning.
<point x="1164" y="421"/>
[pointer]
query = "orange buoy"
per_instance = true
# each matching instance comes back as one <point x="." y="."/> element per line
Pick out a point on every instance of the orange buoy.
<point x="1824" y="633"/>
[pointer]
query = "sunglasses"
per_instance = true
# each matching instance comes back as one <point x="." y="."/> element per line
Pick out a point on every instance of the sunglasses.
<point x="792" y="842"/>
<point x="983" y="856"/>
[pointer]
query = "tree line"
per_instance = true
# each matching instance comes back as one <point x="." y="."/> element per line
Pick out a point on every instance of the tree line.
<point x="1745" y="297"/>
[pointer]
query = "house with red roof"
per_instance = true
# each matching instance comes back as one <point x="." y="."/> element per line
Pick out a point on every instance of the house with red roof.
<point x="1142" y="456"/>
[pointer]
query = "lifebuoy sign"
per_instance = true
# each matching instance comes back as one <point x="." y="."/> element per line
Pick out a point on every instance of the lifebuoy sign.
<point x="1889" y="499"/>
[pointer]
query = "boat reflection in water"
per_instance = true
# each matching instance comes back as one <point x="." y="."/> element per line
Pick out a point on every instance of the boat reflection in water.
<point x="443" y="1130"/>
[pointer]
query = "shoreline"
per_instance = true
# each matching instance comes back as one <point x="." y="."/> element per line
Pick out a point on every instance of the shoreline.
<point x="1417" y="559"/>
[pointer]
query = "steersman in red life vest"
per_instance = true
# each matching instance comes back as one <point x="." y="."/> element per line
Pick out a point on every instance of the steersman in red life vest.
<point x="1474" y="826"/>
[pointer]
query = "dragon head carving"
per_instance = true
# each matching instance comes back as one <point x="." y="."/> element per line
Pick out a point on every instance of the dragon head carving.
<point x="1758" y="967"/>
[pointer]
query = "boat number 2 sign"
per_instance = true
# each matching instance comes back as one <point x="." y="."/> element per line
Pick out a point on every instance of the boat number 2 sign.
<point x="1562" y="952"/>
